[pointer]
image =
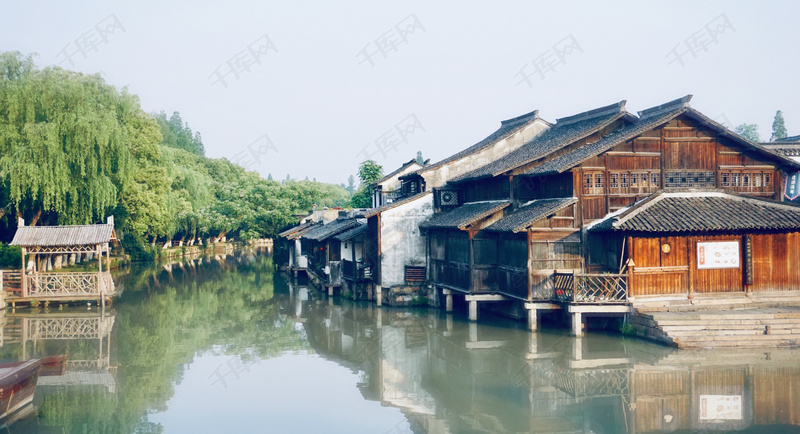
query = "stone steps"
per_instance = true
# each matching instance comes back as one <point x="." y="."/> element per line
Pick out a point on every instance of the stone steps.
<point x="748" y="327"/>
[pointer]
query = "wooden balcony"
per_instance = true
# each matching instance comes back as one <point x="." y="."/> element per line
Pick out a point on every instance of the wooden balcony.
<point x="591" y="288"/>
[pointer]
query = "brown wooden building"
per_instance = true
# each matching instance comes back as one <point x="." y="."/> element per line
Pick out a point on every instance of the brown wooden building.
<point x="579" y="171"/>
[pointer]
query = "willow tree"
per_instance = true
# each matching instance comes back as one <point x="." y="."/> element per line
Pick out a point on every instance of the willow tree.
<point x="64" y="152"/>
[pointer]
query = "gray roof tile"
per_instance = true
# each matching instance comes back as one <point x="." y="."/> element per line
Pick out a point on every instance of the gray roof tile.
<point x="565" y="132"/>
<point x="698" y="210"/>
<point x="465" y="215"/>
<point x="524" y="216"/>
<point x="59" y="236"/>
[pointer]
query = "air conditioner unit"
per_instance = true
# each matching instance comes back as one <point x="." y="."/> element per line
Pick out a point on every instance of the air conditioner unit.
<point x="448" y="197"/>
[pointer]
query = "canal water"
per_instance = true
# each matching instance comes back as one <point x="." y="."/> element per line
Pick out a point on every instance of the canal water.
<point x="226" y="345"/>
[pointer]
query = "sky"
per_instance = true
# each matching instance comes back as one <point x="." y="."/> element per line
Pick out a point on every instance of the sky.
<point x="311" y="89"/>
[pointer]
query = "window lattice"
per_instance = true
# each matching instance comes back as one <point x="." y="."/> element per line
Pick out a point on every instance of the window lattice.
<point x="689" y="179"/>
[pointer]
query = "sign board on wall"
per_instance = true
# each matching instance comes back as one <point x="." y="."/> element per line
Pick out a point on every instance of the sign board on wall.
<point x="720" y="407"/>
<point x="718" y="254"/>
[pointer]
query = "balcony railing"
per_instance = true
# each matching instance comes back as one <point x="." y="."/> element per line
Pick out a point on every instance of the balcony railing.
<point x="356" y="270"/>
<point x="591" y="288"/>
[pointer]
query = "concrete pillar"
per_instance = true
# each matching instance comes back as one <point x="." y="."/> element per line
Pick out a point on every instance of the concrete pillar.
<point x="72" y="259"/>
<point x="473" y="310"/>
<point x="57" y="261"/>
<point x="532" y="320"/>
<point x="378" y="295"/>
<point x="473" y="332"/>
<point x="448" y="303"/>
<point x="577" y="324"/>
<point x="330" y="291"/>
<point x="577" y="349"/>
<point x="533" y="344"/>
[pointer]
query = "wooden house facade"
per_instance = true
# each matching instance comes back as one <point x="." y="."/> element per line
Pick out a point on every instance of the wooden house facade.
<point x="579" y="171"/>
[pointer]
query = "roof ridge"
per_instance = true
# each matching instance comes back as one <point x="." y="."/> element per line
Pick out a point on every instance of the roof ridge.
<point x="682" y="102"/>
<point x="634" y="210"/>
<point x="534" y="114"/>
<point x="616" y="107"/>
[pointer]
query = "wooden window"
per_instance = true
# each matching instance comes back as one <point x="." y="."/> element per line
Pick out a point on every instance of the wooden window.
<point x="623" y="183"/>
<point x="689" y="179"/>
<point x="655" y="180"/>
<point x="746" y="180"/>
<point x="613" y="180"/>
<point x="593" y="183"/>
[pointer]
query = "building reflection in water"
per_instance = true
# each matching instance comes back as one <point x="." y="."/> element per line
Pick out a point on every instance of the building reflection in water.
<point x="84" y="334"/>
<point x="448" y="375"/>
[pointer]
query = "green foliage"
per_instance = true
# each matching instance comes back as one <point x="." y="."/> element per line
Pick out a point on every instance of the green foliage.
<point x="369" y="171"/>
<point x="361" y="198"/>
<point x="749" y="132"/>
<point x="64" y="148"/>
<point x="778" y="127"/>
<point x="177" y="134"/>
<point x="10" y="257"/>
<point x="74" y="150"/>
<point x="628" y="329"/>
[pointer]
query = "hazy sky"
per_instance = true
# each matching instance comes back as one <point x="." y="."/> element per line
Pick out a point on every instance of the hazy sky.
<point x="332" y="84"/>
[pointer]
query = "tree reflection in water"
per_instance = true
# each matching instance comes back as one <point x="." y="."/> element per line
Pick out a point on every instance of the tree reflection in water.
<point x="443" y="373"/>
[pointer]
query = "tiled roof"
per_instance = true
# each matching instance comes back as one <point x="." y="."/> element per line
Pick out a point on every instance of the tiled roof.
<point x="320" y="233"/>
<point x="465" y="215"/>
<point x="304" y="231"/>
<point x="352" y="233"/>
<point x="507" y="127"/>
<point x="532" y="211"/>
<point x="375" y="211"/>
<point x="563" y="133"/>
<point x="59" y="236"/>
<point x="294" y="229"/>
<point x="650" y="118"/>
<point x="789" y="139"/>
<point x="403" y="167"/>
<point x="701" y="210"/>
<point x="783" y="147"/>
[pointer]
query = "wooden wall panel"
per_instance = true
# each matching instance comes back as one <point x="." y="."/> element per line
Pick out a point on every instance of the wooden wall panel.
<point x="689" y="155"/>
<point x="775" y="262"/>
<point x="594" y="207"/>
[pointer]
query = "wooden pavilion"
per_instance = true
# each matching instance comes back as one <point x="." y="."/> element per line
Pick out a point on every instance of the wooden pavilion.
<point x="45" y="249"/>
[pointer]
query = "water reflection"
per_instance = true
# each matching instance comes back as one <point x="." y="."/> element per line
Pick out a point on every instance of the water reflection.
<point x="287" y="359"/>
<point x="448" y="375"/>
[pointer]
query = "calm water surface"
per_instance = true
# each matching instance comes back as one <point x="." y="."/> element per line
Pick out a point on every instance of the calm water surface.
<point x="227" y="346"/>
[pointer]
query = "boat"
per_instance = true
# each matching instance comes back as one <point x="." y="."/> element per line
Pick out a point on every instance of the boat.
<point x="18" y="381"/>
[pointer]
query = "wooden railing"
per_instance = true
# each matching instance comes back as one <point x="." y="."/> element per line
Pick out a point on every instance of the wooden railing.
<point x="67" y="285"/>
<point x="591" y="288"/>
<point x="451" y="274"/>
<point x="356" y="270"/>
<point x="10" y="281"/>
<point x="512" y="281"/>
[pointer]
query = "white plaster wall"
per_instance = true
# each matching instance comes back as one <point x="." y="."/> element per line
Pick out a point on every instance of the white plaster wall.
<point x="301" y="261"/>
<point x="401" y="242"/>
<point x="347" y="252"/>
<point x="439" y="176"/>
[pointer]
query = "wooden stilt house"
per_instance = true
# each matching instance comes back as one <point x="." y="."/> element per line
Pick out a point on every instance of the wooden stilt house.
<point x="576" y="172"/>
